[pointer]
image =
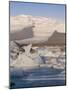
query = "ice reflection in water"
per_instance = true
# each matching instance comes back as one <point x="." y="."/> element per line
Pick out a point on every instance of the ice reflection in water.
<point x="39" y="77"/>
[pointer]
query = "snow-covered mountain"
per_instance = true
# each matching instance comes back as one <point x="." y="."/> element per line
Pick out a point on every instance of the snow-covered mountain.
<point x="27" y="26"/>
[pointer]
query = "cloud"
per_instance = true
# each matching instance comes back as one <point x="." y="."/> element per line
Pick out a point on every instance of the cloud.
<point x="42" y="26"/>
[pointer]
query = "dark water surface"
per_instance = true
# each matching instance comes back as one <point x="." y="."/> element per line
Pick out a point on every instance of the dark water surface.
<point x="37" y="78"/>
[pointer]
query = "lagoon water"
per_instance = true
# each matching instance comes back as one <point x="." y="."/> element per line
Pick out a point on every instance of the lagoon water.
<point x="37" y="78"/>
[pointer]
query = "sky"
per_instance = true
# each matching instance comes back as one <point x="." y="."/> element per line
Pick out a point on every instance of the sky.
<point x="38" y="9"/>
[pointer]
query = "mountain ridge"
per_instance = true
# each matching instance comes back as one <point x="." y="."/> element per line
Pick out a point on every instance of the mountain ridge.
<point x="24" y="27"/>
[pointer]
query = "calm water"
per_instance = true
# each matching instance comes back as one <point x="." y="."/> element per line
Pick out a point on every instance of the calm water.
<point x="37" y="77"/>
